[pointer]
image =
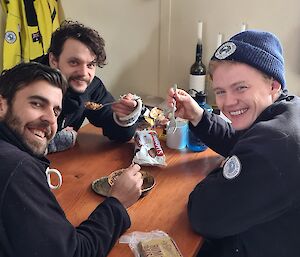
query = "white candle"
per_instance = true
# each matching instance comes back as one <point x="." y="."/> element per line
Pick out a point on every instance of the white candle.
<point x="243" y="27"/>
<point x="219" y="40"/>
<point x="200" y="31"/>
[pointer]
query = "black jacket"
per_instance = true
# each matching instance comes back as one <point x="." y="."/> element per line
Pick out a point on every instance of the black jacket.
<point x="31" y="221"/>
<point x="256" y="213"/>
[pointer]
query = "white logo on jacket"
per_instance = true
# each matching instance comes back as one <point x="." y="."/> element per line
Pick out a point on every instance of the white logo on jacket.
<point x="10" y="37"/>
<point x="232" y="167"/>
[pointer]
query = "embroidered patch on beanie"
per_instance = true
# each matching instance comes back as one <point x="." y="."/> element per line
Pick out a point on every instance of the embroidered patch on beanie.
<point x="226" y="50"/>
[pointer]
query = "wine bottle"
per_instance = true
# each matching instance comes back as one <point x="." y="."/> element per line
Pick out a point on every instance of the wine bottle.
<point x="198" y="69"/>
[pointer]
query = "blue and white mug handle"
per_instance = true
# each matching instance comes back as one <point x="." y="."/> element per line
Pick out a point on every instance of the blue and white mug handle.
<point x="48" y="175"/>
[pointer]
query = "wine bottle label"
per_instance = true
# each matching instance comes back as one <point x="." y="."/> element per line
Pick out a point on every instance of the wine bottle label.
<point x="197" y="82"/>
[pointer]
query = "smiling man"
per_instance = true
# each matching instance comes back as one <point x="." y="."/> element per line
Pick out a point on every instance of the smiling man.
<point x="76" y="50"/>
<point x="31" y="221"/>
<point x="23" y="117"/>
<point x="250" y="206"/>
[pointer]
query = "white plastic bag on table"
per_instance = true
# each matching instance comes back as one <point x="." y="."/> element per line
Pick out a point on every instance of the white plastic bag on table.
<point x="153" y="243"/>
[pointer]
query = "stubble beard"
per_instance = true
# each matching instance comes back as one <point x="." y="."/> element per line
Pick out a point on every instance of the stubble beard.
<point x="15" y="124"/>
<point x="72" y="83"/>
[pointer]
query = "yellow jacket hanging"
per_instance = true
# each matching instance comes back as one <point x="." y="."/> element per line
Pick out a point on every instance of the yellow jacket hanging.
<point x="29" y="25"/>
<point x="47" y="16"/>
<point x="12" y="40"/>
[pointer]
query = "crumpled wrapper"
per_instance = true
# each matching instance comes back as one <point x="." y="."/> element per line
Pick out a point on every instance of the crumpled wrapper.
<point x="148" y="151"/>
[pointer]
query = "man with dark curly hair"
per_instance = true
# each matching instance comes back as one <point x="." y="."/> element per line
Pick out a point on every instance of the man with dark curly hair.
<point x="76" y="50"/>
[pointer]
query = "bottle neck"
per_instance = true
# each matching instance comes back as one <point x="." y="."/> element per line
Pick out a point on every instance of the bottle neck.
<point x="199" y="52"/>
<point x="200" y="98"/>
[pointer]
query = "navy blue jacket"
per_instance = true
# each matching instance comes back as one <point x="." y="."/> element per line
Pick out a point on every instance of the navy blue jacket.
<point x="256" y="213"/>
<point x="74" y="112"/>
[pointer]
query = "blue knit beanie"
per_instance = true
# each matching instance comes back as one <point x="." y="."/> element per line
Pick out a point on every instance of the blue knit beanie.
<point x="261" y="50"/>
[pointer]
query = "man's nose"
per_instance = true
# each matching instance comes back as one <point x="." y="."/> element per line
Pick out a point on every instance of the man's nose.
<point x="230" y="99"/>
<point x="83" y="70"/>
<point x="49" y="116"/>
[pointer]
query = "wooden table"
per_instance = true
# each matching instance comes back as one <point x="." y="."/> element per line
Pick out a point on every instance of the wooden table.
<point x="164" y="208"/>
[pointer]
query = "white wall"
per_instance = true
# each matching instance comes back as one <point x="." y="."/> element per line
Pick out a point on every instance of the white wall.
<point x="131" y="32"/>
<point x="226" y="17"/>
<point x="151" y="43"/>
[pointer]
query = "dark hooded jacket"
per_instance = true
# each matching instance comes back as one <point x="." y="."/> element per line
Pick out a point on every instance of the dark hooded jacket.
<point x="250" y="207"/>
<point x="32" y="223"/>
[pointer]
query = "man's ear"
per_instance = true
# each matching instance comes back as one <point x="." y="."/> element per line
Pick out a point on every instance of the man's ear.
<point x="276" y="87"/>
<point x="3" y="107"/>
<point x="53" y="62"/>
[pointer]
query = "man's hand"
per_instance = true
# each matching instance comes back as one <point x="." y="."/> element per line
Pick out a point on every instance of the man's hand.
<point x="69" y="129"/>
<point x="127" y="187"/>
<point x="125" y="105"/>
<point x="186" y="107"/>
<point x="63" y="140"/>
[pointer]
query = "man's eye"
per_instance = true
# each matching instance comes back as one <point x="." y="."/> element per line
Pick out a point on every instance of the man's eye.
<point x="73" y="63"/>
<point x="242" y="88"/>
<point x="36" y="104"/>
<point x="56" y="112"/>
<point x="91" y="65"/>
<point x="220" y="92"/>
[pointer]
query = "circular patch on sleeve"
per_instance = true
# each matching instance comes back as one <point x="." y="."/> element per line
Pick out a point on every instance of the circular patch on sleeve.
<point x="232" y="167"/>
<point x="225" y="50"/>
<point x="10" y="37"/>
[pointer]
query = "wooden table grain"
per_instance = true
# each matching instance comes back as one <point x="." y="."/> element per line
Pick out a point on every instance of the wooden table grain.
<point x="163" y="208"/>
